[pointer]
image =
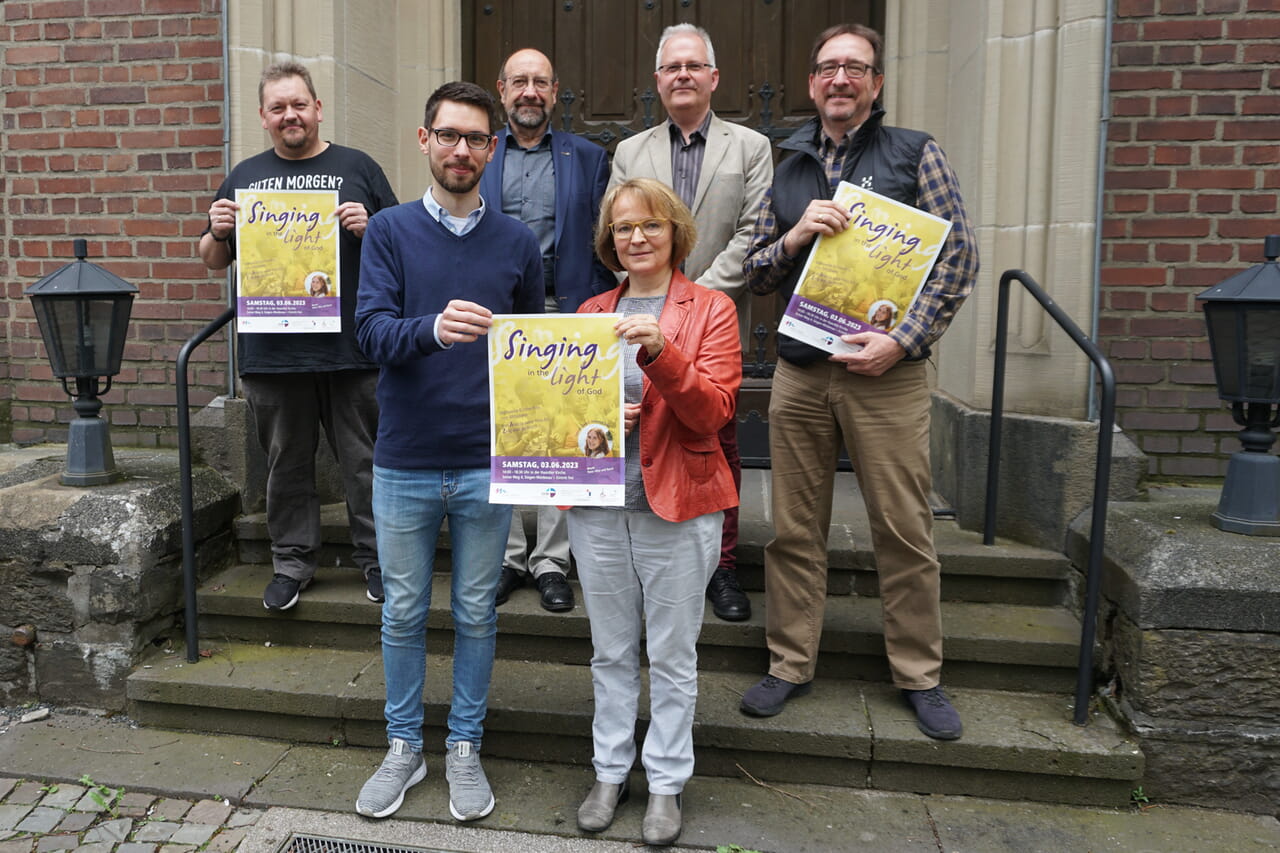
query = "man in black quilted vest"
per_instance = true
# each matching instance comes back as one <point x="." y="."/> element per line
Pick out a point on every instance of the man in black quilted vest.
<point x="877" y="398"/>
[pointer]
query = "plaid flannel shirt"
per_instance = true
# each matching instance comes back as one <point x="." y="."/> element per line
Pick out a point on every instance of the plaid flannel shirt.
<point x="951" y="279"/>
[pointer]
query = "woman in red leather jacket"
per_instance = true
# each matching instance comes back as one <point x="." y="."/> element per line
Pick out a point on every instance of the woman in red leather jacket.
<point x="652" y="559"/>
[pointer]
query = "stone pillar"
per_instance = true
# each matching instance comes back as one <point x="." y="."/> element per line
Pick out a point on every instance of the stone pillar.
<point x="1190" y="640"/>
<point x="373" y="62"/>
<point x="1012" y="91"/>
<point x="97" y="571"/>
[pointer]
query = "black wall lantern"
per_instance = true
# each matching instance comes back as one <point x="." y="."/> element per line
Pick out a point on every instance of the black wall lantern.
<point x="1243" y="315"/>
<point x="83" y="311"/>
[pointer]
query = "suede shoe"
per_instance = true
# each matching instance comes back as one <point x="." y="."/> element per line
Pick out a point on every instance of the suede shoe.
<point x="373" y="586"/>
<point x="596" y="812"/>
<point x="509" y="581"/>
<point x="661" y="823"/>
<point x="728" y="601"/>
<point x="282" y="592"/>
<point x="935" y="715"/>
<point x="767" y="697"/>
<point x="557" y="595"/>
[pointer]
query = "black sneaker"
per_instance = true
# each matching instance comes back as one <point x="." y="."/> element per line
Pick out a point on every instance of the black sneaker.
<point x="767" y="697"/>
<point x="282" y="592"/>
<point x="935" y="715"/>
<point x="373" y="586"/>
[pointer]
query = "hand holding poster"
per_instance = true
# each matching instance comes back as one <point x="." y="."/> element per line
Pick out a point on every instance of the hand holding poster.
<point x="865" y="278"/>
<point x="287" y="261"/>
<point x="556" y="428"/>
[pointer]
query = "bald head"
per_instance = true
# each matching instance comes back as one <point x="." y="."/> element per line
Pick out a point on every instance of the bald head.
<point x="528" y="88"/>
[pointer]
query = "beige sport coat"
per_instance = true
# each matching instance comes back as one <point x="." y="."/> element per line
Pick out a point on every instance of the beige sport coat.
<point x="737" y="169"/>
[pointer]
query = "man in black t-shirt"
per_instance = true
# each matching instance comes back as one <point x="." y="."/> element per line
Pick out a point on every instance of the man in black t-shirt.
<point x="297" y="382"/>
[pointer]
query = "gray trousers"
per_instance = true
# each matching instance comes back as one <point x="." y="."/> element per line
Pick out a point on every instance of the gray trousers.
<point x="549" y="554"/>
<point x="638" y="570"/>
<point x="288" y="411"/>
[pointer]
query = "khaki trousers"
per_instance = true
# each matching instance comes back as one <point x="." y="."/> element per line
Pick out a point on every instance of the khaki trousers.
<point x="884" y="422"/>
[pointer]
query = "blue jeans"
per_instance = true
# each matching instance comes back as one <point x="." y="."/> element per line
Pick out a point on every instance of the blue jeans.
<point x="408" y="509"/>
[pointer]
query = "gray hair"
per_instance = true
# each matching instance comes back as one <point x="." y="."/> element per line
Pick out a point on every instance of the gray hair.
<point x="684" y="30"/>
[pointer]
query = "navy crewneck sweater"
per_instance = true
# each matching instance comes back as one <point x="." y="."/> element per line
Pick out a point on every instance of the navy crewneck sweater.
<point x="434" y="402"/>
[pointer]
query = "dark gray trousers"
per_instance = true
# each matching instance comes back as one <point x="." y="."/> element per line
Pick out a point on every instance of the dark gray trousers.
<point x="288" y="410"/>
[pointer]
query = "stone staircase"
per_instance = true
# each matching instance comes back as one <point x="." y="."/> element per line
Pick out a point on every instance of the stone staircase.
<point x="314" y="674"/>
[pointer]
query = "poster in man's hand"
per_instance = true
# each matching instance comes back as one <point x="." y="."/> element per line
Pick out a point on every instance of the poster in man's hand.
<point x="867" y="277"/>
<point x="287" y="261"/>
<point x="557" y="434"/>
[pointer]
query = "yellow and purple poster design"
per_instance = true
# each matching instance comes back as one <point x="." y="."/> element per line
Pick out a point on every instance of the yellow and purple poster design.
<point x="867" y="277"/>
<point x="287" y="261"/>
<point x="556" y="426"/>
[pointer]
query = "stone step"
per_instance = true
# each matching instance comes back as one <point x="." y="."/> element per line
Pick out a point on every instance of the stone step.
<point x="847" y="733"/>
<point x="1007" y="572"/>
<point x="996" y="646"/>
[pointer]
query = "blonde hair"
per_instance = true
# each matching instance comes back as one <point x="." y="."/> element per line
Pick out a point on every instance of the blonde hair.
<point x="663" y="203"/>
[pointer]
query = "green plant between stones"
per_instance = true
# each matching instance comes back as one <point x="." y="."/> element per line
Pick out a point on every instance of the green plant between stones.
<point x="105" y="798"/>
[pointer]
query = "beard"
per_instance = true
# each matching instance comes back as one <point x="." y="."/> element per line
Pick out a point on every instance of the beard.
<point x="456" y="184"/>
<point x="531" y="116"/>
<point x="294" y="141"/>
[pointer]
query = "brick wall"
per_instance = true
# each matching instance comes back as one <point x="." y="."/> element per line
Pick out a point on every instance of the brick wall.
<point x="112" y="132"/>
<point x="1193" y="171"/>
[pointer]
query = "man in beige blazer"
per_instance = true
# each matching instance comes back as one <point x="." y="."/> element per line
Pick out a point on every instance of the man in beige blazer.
<point x="721" y="171"/>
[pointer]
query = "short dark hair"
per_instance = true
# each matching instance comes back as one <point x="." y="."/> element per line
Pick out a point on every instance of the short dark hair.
<point x="280" y="71"/>
<point x="862" y="30"/>
<point x="461" y="92"/>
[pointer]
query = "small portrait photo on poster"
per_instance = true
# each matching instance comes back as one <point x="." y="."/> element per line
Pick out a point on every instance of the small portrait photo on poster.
<point x="317" y="284"/>
<point x="595" y="442"/>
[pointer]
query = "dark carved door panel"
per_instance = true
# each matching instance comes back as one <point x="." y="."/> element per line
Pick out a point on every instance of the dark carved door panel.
<point x="604" y="53"/>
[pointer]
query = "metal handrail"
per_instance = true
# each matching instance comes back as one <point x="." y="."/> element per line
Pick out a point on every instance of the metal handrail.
<point x="1102" y="474"/>
<point x="184" y="463"/>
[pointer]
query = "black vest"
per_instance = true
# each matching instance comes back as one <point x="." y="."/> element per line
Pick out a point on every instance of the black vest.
<point x="880" y="158"/>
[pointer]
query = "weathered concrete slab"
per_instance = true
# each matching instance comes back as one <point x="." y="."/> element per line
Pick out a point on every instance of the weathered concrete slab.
<point x="971" y="824"/>
<point x="543" y="799"/>
<point x="1166" y="567"/>
<point x="66" y="746"/>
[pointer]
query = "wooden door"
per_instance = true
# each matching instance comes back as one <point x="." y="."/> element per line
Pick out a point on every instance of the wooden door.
<point x="604" y="54"/>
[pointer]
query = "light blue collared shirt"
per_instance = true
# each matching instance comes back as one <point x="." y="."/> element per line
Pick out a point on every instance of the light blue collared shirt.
<point x="461" y="226"/>
<point x="456" y="225"/>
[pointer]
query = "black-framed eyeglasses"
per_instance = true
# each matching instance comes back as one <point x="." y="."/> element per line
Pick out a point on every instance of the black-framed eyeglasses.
<point x="853" y="69"/>
<point x="652" y="227"/>
<point x="675" y="68"/>
<point x="448" y="137"/>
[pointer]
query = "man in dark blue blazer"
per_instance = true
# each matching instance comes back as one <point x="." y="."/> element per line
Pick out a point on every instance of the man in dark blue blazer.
<point x="552" y="181"/>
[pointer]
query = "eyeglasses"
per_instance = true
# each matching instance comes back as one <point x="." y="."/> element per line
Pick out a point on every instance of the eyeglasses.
<point x="541" y="84"/>
<point x="675" y="68"/>
<point x="853" y="69"/>
<point x="448" y="137"/>
<point x="648" y="227"/>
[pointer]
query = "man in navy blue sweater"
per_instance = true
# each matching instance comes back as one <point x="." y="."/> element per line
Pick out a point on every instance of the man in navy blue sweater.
<point x="433" y="273"/>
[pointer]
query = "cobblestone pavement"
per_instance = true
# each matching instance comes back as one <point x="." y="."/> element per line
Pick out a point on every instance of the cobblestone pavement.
<point x="91" y="818"/>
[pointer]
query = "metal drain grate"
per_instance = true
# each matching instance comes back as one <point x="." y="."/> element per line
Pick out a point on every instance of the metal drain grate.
<point x="319" y="844"/>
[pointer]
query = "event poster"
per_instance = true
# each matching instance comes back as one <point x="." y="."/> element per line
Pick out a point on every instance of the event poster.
<point x="287" y="261"/>
<point x="865" y="278"/>
<point x="556" y="395"/>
